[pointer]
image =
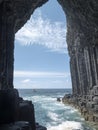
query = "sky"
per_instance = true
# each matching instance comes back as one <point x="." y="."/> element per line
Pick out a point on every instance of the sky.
<point x="41" y="56"/>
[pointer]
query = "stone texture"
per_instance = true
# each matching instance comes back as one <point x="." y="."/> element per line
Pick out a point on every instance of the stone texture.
<point x="13" y="15"/>
<point x="87" y="105"/>
<point x="82" y="40"/>
<point x="7" y="24"/>
<point x="1" y="1"/>
<point x="26" y="7"/>
<point x="59" y="99"/>
<point x="26" y="113"/>
<point x="9" y="106"/>
<point x="16" y="113"/>
<point x="39" y="127"/>
<point x="82" y="31"/>
<point x="20" y="125"/>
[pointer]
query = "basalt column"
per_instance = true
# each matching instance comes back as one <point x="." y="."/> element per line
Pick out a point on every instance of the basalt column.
<point x="13" y="15"/>
<point x="8" y="96"/>
<point x="7" y="23"/>
<point x="82" y="40"/>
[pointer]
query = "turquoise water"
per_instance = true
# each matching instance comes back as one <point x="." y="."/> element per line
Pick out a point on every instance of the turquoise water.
<point x="52" y="114"/>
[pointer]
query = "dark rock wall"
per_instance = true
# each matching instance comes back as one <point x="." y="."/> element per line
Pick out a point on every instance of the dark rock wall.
<point x="82" y="31"/>
<point x="23" y="10"/>
<point x="13" y="15"/>
<point x="7" y="23"/>
<point x="82" y="40"/>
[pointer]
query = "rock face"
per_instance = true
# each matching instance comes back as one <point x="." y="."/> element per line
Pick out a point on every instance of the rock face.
<point x="9" y="106"/>
<point x="82" y="31"/>
<point x="14" y="14"/>
<point x="16" y="113"/>
<point x="26" y="113"/>
<point x="20" y="125"/>
<point x="13" y="110"/>
<point x="82" y="40"/>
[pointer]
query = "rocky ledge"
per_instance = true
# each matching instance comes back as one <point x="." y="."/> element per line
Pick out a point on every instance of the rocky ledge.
<point x="86" y="104"/>
<point x="16" y="113"/>
<point x="82" y="41"/>
<point x="20" y="125"/>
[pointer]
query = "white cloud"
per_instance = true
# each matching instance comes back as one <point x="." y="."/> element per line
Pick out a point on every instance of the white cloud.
<point x="39" y="30"/>
<point x="26" y="81"/>
<point x="30" y="79"/>
<point x="32" y="74"/>
<point x="47" y="83"/>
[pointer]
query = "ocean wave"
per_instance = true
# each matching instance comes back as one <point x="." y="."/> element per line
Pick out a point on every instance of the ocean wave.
<point x="40" y="98"/>
<point x="53" y="116"/>
<point x="67" y="125"/>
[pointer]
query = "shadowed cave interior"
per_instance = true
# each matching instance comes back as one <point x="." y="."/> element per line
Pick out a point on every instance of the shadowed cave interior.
<point x="82" y="40"/>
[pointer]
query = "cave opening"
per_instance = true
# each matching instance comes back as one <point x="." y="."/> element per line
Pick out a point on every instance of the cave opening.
<point x="42" y="62"/>
<point x="82" y="30"/>
<point x="41" y="56"/>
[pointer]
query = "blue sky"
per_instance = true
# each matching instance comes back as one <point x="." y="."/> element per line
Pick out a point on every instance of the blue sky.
<point x="41" y="57"/>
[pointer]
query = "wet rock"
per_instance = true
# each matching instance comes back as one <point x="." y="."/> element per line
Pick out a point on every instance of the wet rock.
<point x="26" y="113"/>
<point x="90" y="105"/>
<point x="59" y="99"/>
<point x="39" y="127"/>
<point x="20" y="125"/>
<point x="96" y="117"/>
<point x="95" y="99"/>
<point x="68" y="96"/>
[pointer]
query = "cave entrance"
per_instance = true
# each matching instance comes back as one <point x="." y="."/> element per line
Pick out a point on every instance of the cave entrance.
<point x="41" y="56"/>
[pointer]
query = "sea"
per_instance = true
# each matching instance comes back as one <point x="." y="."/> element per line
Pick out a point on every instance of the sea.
<point x="52" y="114"/>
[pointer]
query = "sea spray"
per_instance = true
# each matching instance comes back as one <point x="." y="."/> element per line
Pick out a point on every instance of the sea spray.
<point x="67" y="125"/>
<point x="52" y="114"/>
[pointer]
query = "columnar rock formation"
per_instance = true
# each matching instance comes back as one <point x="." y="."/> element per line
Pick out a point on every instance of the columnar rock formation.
<point x="82" y="40"/>
<point x="14" y="14"/>
<point x="82" y="33"/>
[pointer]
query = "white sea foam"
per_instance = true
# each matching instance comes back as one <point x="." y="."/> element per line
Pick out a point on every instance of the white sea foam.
<point x="68" y="125"/>
<point x="73" y="110"/>
<point x="53" y="116"/>
<point x="40" y="98"/>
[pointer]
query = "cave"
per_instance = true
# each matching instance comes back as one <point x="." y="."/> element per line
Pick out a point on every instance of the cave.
<point x="82" y="31"/>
